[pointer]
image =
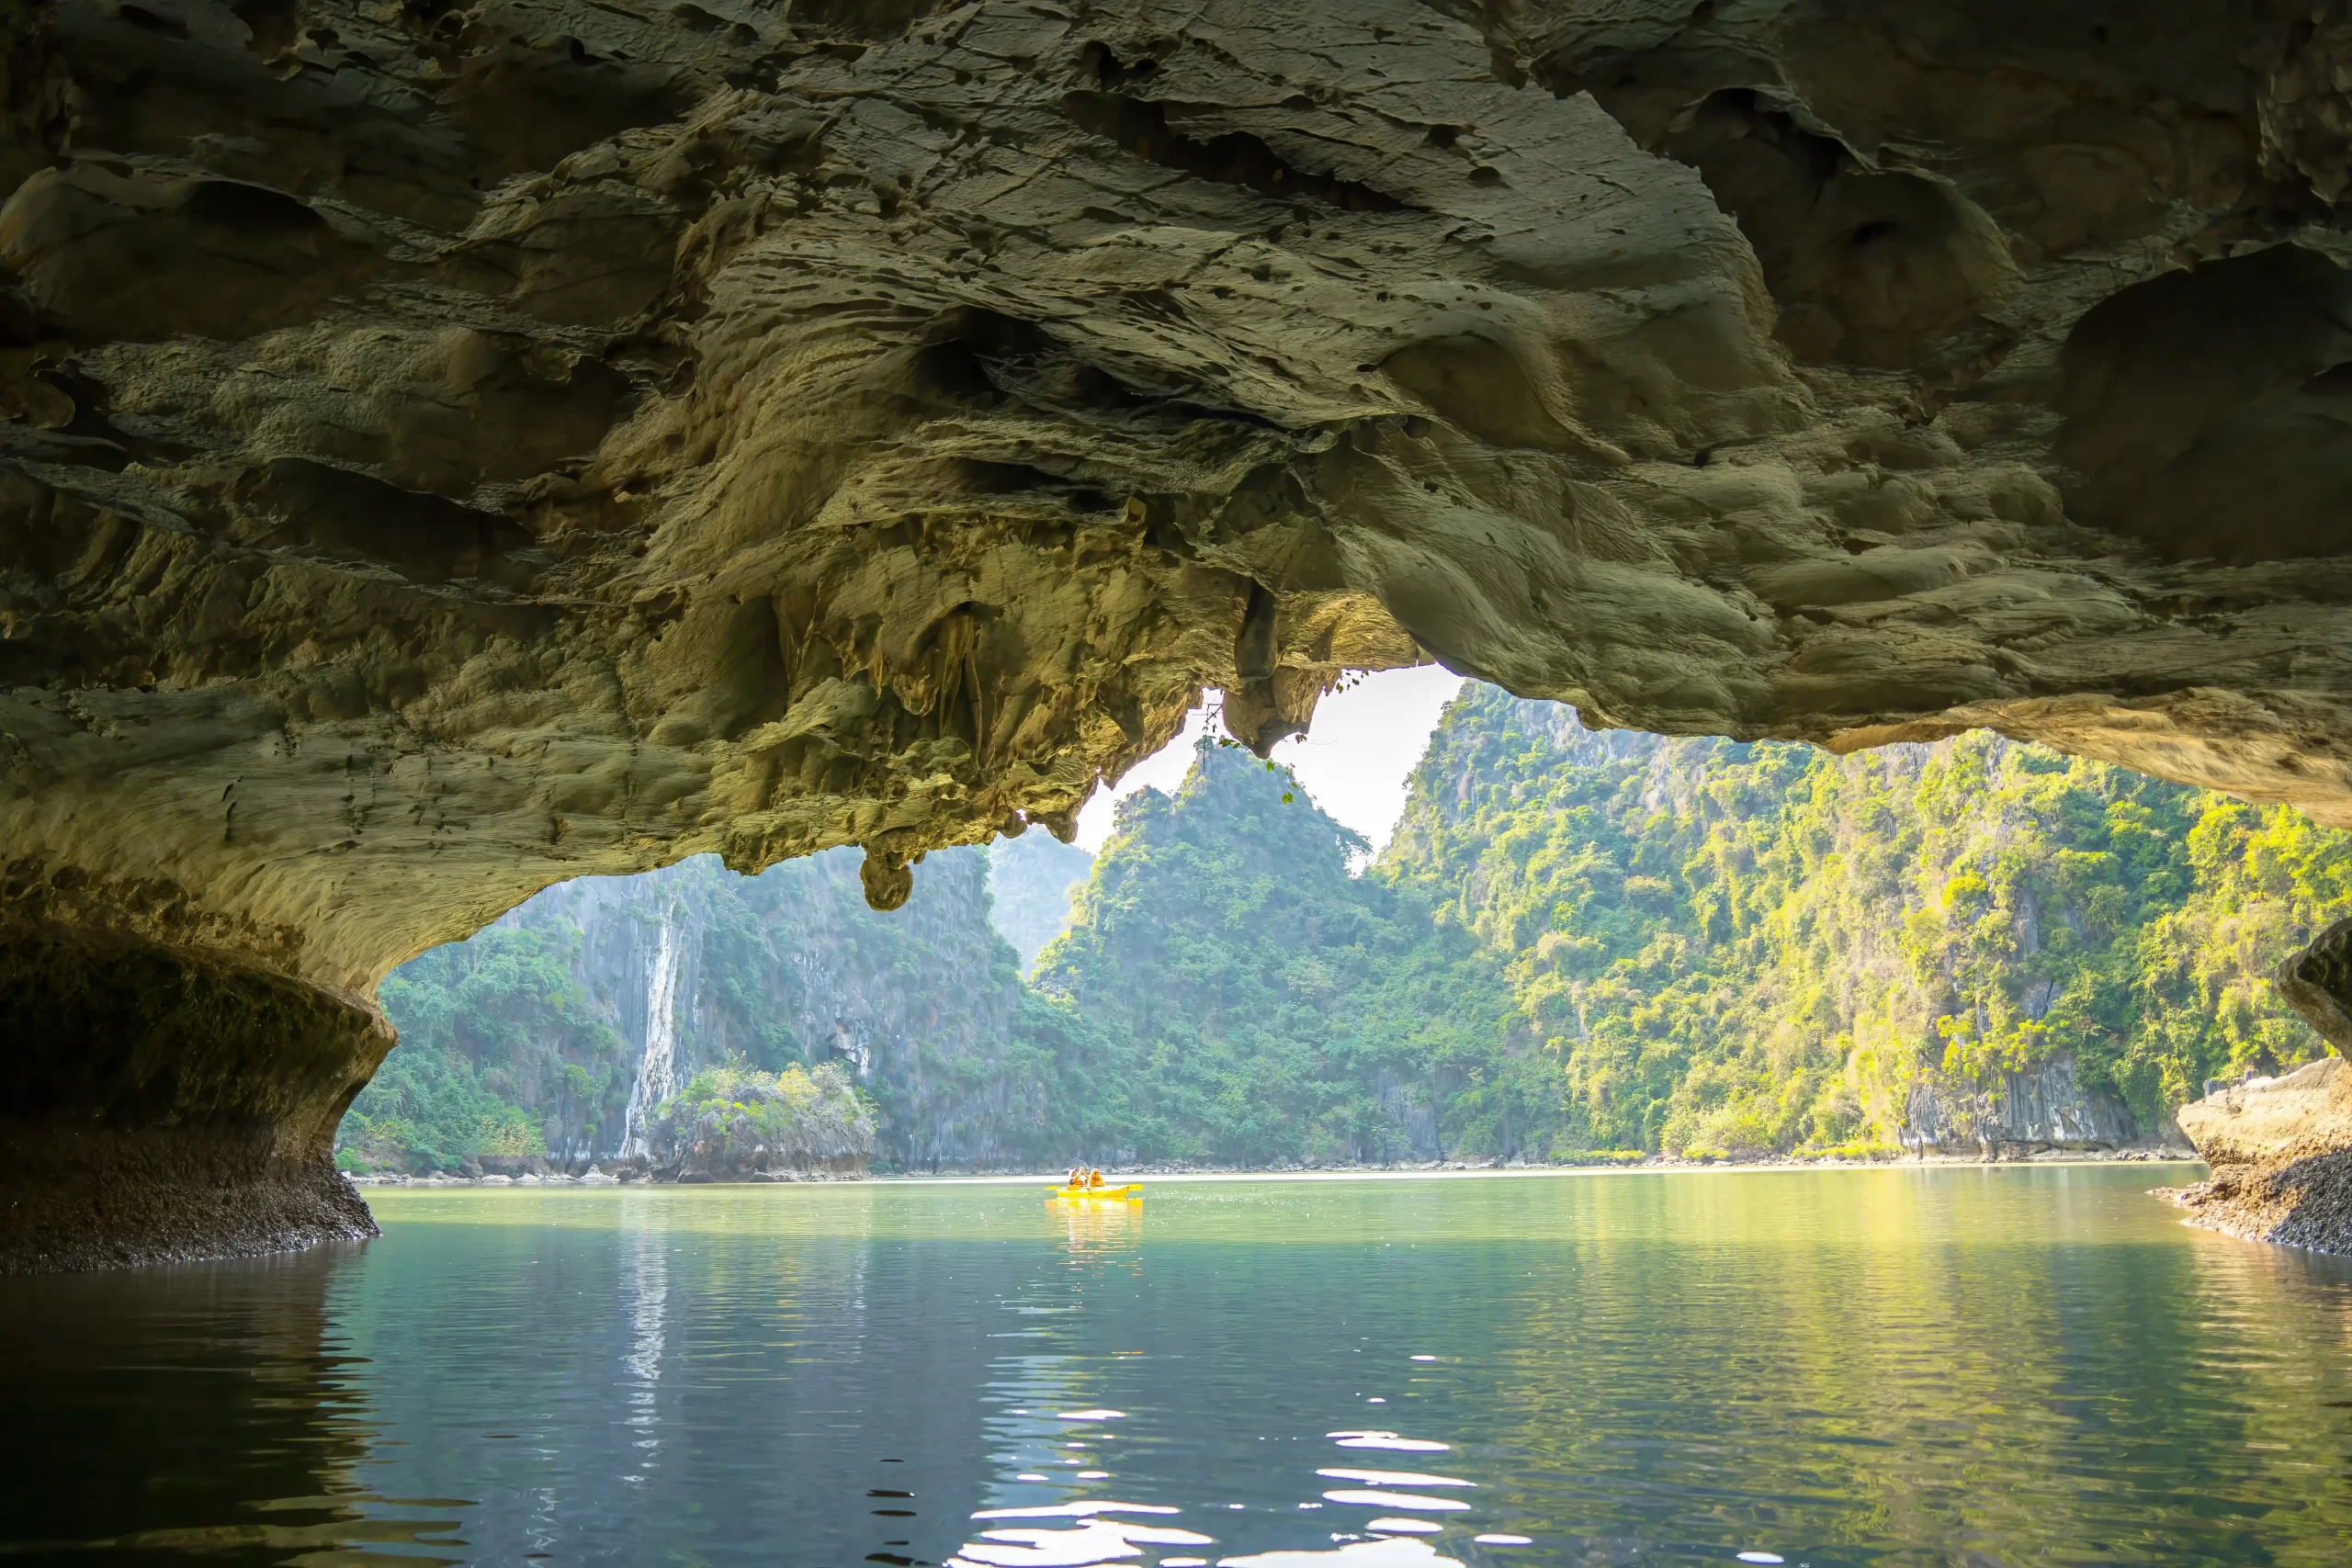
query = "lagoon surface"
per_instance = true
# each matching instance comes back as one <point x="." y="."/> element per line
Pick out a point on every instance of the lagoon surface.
<point x="1942" y="1366"/>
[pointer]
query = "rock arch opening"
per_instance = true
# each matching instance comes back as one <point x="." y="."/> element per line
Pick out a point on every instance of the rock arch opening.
<point x="446" y="459"/>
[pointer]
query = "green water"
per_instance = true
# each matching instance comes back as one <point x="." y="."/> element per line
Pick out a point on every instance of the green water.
<point x="1936" y="1366"/>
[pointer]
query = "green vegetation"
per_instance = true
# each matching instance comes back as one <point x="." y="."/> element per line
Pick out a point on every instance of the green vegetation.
<point x="732" y="1120"/>
<point x="1581" y="946"/>
<point x="1227" y="992"/>
<point x="528" y="1036"/>
<point x="1738" y="948"/>
<point x="479" y="1022"/>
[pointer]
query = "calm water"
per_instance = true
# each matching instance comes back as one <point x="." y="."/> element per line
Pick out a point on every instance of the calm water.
<point x="1947" y="1366"/>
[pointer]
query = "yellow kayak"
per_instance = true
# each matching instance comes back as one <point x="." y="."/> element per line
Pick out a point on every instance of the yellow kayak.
<point x="1127" y="1194"/>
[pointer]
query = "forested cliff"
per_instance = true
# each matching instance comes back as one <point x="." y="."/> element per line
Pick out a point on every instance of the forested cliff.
<point x="1245" y="999"/>
<point x="562" y="1028"/>
<point x="1576" y="941"/>
<point x="1767" y="946"/>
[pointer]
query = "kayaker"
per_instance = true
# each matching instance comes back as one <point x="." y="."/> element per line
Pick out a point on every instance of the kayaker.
<point x="1094" y="1179"/>
<point x="1075" y="1177"/>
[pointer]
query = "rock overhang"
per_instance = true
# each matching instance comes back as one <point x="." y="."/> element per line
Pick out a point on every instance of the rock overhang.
<point x="454" y="448"/>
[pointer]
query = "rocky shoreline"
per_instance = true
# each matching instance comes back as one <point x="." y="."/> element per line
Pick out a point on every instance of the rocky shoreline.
<point x="616" y="1175"/>
<point x="2307" y="1203"/>
<point x="2281" y="1150"/>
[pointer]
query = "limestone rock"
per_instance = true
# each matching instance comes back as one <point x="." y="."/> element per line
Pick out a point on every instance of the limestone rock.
<point x="691" y="968"/>
<point x="734" y="1124"/>
<point x="2317" y="983"/>
<point x="453" y="449"/>
<point x="2268" y="1120"/>
<point x="2281" y="1152"/>
<point x="2281" y="1148"/>
<point x="166" y="1106"/>
<point x="2044" y="1108"/>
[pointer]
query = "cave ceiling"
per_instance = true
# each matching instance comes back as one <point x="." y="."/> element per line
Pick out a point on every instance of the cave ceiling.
<point x="449" y="449"/>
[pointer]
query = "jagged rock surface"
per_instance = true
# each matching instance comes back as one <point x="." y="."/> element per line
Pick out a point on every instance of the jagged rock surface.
<point x="452" y="449"/>
<point x="2317" y="981"/>
<point x="2045" y="1107"/>
<point x="2281" y="1155"/>
<point x="2281" y="1148"/>
<point x="166" y="1106"/>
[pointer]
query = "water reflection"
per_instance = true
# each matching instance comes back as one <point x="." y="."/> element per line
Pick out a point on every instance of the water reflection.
<point x="1884" y="1368"/>
<point x="1385" y="1553"/>
<point x="212" y="1411"/>
<point x="649" y="1295"/>
<point x="1092" y="1227"/>
<point x="1101" y="1535"/>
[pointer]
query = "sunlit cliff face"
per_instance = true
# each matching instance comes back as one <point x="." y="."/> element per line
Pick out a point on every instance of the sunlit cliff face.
<point x="454" y="450"/>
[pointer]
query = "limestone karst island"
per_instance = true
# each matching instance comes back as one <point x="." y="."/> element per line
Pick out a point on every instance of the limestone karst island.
<point x="1275" y="783"/>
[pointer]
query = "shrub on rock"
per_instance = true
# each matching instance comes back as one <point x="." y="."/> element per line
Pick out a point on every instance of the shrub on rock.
<point x="733" y="1122"/>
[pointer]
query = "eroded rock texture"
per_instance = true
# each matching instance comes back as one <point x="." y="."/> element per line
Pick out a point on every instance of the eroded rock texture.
<point x="2280" y="1151"/>
<point x="454" y="449"/>
<point x="167" y="1104"/>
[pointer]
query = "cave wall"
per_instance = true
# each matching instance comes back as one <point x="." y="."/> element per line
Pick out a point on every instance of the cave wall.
<point x="449" y="449"/>
<point x="162" y="1105"/>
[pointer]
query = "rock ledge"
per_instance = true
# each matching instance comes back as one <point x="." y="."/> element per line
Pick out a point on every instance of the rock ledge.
<point x="2281" y="1152"/>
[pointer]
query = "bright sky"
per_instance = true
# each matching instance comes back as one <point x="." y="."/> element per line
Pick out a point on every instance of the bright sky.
<point x="1353" y="760"/>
